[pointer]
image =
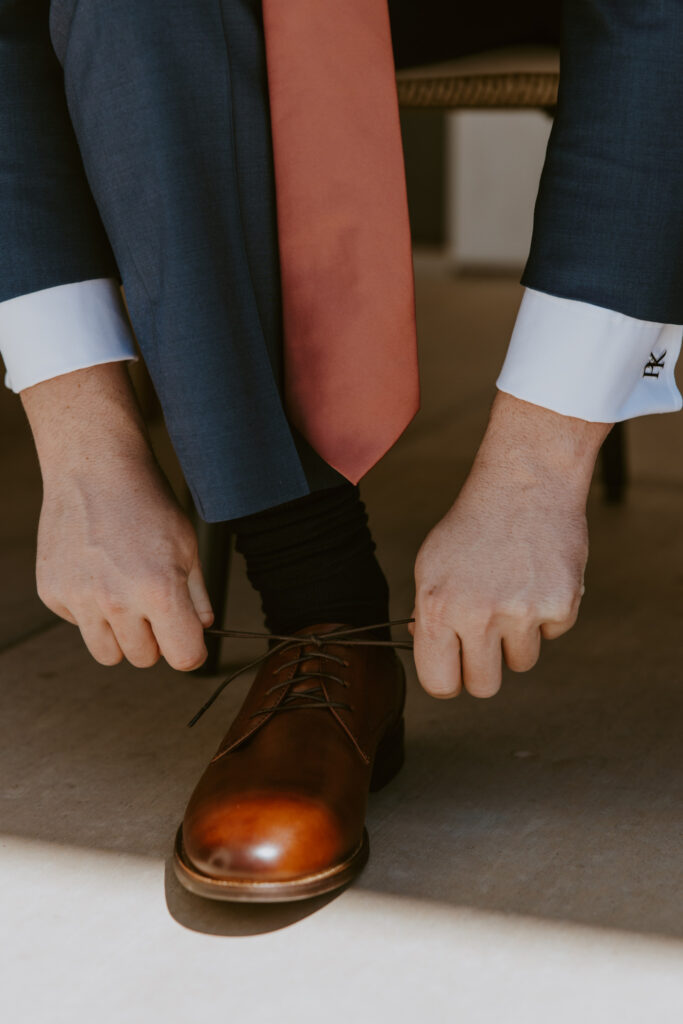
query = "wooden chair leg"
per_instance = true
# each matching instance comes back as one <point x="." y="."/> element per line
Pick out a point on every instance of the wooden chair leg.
<point x="614" y="465"/>
<point x="215" y="549"/>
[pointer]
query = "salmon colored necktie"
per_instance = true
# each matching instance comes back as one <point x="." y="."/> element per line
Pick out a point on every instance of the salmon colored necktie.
<point x="351" y="381"/>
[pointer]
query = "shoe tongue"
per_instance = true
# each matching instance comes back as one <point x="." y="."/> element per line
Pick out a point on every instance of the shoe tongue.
<point x="312" y="665"/>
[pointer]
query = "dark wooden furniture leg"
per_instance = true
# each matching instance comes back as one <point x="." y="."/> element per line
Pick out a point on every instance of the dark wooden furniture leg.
<point x="215" y="549"/>
<point x="614" y="469"/>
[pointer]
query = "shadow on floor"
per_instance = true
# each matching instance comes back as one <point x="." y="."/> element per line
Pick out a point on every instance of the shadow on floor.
<point x="212" y="917"/>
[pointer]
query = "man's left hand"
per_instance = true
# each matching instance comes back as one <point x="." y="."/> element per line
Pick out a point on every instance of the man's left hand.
<point x="505" y="566"/>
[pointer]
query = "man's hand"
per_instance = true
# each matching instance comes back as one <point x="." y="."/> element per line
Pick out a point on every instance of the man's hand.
<point x="505" y="566"/>
<point x="116" y="555"/>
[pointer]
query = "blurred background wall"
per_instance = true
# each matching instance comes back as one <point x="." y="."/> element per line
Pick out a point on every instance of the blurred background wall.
<point x="472" y="181"/>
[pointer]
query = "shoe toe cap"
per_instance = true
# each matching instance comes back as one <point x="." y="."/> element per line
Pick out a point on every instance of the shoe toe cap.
<point x="264" y="837"/>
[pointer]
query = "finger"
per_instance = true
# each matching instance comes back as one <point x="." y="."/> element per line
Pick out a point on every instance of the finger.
<point x="437" y="659"/>
<point x="137" y="641"/>
<point x="99" y="638"/>
<point x="179" y="633"/>
<point x="199" y="596"/>
<point x="64" y="613"/>
<point x="58" y="608"/>
<point x="522" y="649"/>
<point x="552" y="628"/>
<point x="482" y="667"/>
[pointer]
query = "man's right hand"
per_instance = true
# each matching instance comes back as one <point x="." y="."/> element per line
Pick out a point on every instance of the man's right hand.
<point x="116" y="555"/>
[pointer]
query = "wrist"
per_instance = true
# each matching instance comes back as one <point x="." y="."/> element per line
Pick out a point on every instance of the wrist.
<point x="86" y="419"/>
<point x="530" y="442"/>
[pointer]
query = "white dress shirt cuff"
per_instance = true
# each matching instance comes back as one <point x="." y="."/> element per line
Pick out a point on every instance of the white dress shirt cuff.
<point x="592" y="363"/>
<point x="57" y="330"/>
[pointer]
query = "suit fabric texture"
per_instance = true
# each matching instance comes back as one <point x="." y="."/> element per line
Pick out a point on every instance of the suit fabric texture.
<point x="136" y="142"/>
<point x="609" y="216"/>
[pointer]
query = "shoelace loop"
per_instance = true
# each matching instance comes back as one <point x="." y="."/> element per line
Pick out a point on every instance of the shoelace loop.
<point x="315" y="696"/>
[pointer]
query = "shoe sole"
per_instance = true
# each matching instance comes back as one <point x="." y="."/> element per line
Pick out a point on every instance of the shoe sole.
<point x="235" y="891"/>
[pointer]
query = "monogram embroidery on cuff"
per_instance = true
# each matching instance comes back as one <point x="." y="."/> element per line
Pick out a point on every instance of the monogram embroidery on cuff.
<point x="654" y="365"/>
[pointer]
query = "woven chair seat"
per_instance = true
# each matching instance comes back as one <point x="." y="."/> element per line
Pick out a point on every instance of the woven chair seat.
<point x="527" y="78"/>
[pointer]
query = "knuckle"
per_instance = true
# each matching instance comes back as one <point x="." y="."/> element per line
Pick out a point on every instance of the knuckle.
<point x="113" y="607"/>
<point x="562" y="605"/>
<point x="43" y="581"/>
<point x="477" y="621"/>
<point x="109" y="601"/>
<point x="160" y="592"/>
<point x="434" y="610"/>
<point x="48" y="596"/>
<point x="524" y="611"/>
<point x="156" y="597"/>
<point x="422" y="570"/>
<point x="184" y="543"/>
<point x="519" y="609"/>
<point x="189" y="546"/>
<point x="46" y="587"/>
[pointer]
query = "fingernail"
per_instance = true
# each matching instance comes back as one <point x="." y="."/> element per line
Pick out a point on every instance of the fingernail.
<point x="443" y="694"/>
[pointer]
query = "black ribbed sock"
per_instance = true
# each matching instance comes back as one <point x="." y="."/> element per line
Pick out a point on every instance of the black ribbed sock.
<point x="312" y="560"/>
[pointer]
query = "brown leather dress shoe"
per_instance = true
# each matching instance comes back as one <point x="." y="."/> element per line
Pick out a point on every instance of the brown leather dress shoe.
<point x="279" y="814"/>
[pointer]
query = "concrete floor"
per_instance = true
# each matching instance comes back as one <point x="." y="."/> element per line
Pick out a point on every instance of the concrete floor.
<point x="526" y="865"/>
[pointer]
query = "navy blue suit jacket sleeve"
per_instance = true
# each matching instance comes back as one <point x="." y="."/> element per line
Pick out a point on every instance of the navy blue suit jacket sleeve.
<point x="609" y="216"/>
<point x="50" y="231"/>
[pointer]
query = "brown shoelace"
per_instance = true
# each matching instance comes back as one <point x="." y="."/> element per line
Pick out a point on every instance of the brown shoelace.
<point x="315" y="696"/>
